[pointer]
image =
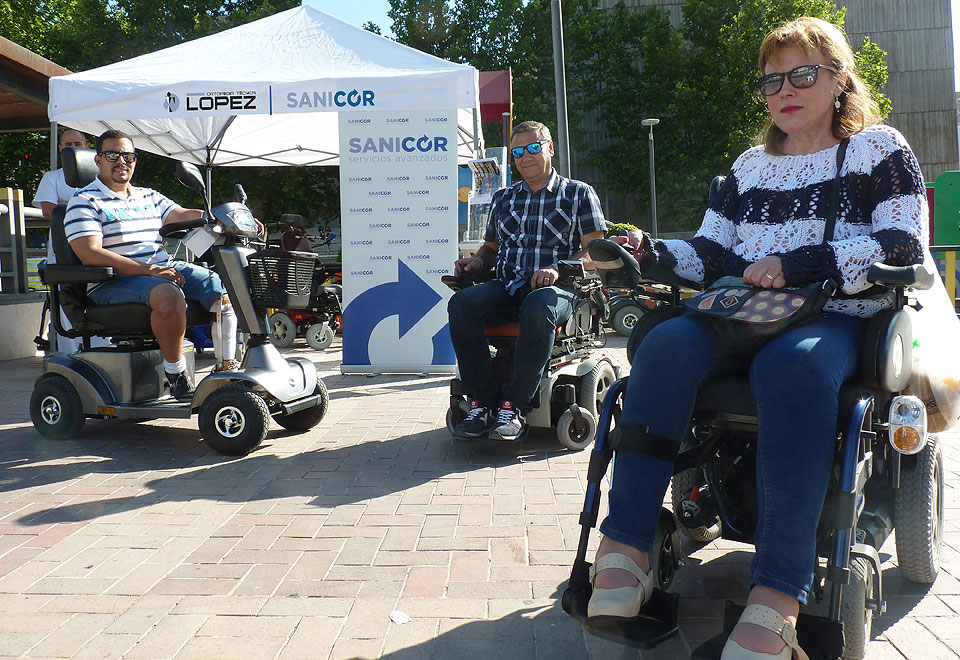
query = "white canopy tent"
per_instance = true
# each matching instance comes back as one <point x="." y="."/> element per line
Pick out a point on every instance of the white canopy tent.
<point x="265" y="93"/>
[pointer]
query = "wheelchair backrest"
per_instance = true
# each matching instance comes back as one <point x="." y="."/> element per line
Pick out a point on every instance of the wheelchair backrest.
<point x="79" y="169"/>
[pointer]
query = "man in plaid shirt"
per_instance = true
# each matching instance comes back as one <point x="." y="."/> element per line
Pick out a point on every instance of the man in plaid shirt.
<point x="533" y="225"/>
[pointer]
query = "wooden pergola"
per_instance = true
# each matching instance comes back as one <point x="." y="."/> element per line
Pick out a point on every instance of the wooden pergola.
<point x="24" y="77"/>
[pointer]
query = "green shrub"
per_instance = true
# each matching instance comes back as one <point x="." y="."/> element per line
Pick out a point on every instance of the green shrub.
<point x="620" y="229"/>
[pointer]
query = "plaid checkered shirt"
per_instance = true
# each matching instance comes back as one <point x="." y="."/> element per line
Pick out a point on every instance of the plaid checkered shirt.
<point x="535" y="230"/>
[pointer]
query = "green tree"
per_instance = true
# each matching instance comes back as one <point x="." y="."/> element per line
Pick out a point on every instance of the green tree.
<point x="698" y="78"/>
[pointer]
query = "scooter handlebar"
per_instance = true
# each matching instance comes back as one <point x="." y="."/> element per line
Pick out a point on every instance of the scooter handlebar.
<point x="184" y="225"/>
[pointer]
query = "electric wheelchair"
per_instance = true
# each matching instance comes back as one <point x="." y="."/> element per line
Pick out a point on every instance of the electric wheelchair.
<point x="577" y="375"/>
<point x="126" y="380"/>
<point x="888" y="474"/>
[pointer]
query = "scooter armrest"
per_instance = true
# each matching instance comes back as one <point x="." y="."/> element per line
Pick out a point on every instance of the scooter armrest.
<point x="75" y="274"/>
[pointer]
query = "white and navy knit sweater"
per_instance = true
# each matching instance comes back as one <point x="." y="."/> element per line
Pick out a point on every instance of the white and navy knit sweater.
<point x="776" y="205"/>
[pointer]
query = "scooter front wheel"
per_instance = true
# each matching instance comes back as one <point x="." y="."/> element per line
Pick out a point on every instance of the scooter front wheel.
<point x="234" y="420"/>
<point x="304" y="420"/>
<point x="319" y="336"/>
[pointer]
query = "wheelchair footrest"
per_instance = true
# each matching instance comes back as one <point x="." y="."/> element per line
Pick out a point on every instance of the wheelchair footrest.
<point x="821" y="638"/>
<point x="656" y="623"/>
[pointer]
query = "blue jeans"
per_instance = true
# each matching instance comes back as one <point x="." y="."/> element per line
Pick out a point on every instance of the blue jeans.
<point x="795" y="380"/>
<point x="541" y="311"/>
<point x="199" y="283"/>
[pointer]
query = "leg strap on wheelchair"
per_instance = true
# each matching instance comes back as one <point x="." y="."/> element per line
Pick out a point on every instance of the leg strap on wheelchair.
<point x="638" y="440"/>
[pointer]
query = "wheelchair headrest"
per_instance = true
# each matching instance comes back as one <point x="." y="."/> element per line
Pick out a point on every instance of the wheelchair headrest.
<point x="79" y="168"/>
<point x="292" y="219"/>
<point x="715" y="186"/>
<point x="616" y="267"/>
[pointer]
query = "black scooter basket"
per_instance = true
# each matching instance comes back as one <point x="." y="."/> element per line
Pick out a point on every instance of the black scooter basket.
<point x="280" y="278"/>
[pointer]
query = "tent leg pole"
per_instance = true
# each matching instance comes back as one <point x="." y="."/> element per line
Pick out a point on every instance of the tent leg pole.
<point x="209" y="187"/>
<point x="476" y="135"/>
<point x="53" y="145"/>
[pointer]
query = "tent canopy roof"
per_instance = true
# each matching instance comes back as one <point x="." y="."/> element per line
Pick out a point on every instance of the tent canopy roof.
<point x="264" y="93"/>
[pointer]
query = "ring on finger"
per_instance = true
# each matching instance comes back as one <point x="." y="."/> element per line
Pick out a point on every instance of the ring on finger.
<point x="769" y="275"/>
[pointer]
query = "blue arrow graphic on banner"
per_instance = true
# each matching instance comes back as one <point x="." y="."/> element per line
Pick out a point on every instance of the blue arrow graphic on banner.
<point x="409" y="297"/>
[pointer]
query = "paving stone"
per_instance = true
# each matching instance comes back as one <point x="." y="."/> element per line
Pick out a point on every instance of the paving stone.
<point x="136" y="541"/>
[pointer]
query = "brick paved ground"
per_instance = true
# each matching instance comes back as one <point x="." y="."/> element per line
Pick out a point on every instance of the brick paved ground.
<point x="136" y="541"/>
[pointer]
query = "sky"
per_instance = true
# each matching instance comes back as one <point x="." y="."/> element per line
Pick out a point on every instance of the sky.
<point x="359" y="12"/>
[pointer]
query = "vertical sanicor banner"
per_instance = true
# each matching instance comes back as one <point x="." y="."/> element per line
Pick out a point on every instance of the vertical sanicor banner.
<point x="398" y="197"/>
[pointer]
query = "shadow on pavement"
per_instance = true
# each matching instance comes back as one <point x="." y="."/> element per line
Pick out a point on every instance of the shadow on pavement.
<point x="327" y="477"/>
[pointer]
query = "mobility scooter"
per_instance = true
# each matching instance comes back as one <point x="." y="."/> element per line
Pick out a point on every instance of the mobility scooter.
<point x="888" y="474"/>
<point x="127" y="380"/>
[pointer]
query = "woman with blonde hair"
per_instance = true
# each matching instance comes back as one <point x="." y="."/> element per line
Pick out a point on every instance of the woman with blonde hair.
<point x="767" y="225"/>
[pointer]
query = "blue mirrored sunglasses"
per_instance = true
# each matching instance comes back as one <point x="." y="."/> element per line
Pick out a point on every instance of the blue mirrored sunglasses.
<point x="533" y="149"/>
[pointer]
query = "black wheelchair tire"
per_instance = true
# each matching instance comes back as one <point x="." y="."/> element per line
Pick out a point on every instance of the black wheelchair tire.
<point x="594" y="385"/>
<point x="918" y="515"/>
<point x="664" y="558"/>
<point x="857" y="618"/>
<point x="304" y="420"/>
<point x="234" y="404"/>
<point x="55" y="408"/>
<point x="648" y="322"/>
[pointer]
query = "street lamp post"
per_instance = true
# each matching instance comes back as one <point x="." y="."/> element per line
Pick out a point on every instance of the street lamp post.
<point x="653" y="178"/>
<point x="562" y="143"/>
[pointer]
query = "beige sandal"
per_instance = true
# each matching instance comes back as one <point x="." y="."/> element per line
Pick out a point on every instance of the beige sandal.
<point x="772" y="620"/>
<point x="622" y="602"/>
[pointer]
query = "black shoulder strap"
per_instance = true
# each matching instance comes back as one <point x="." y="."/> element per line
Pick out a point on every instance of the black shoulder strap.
<point x="834" y="203"/>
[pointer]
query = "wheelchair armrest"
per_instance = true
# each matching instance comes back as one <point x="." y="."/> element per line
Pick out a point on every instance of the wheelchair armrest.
<point x="620" y="270"/>
<point x="74" y="274"/>
<point x="914" y="277"/>
<point x="457" y="282"/>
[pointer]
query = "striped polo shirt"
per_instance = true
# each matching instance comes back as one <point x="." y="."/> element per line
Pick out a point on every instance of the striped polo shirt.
<point x="129" y="225"/>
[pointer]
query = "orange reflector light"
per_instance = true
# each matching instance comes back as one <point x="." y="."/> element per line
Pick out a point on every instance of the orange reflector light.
<point x="906" y="439"/>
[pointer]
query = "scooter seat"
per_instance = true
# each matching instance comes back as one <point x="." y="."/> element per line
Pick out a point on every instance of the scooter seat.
<point x="509" y="329"/>
<point x="123" y="318"/>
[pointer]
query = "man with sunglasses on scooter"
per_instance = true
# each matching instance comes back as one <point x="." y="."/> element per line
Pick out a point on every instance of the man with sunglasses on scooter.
<point x="113" y="223"/>
<point x="534" y="224"/>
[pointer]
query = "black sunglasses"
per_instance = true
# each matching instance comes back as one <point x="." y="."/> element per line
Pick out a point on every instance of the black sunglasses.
<point x="114" y="156"/>
<point x="801" y="78"/>
<point x="533" y="149"/>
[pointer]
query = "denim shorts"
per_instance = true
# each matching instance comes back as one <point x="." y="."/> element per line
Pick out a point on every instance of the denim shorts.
<point x="200" y="284"/>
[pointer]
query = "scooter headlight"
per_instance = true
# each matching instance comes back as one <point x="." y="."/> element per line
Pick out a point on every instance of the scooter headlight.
<point x="908" y="424"/>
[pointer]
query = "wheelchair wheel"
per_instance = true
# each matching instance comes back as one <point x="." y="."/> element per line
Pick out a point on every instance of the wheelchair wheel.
<point x="918" y="515"/>
<point x="577" y="434"/>
<point x="234" y="420"/>
<point x="282" y="330"/>
<point x="857" y="618"/>
<point x="594" y="385"/>
<point x="624" y="317"/>
<point x="319" y="336"/>
<point x="304" y="420"/>
<point x="681" y="485"/>
<point x="55" y="408"/>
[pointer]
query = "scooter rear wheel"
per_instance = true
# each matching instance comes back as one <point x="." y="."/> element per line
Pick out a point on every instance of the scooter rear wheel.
<point x="234" y="420"/>
<point x="55" y="408"/>
<point x="282" y="330"/>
